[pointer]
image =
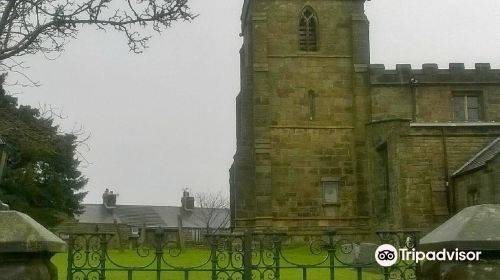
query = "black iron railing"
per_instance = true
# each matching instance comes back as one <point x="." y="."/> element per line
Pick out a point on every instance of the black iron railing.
<point x="245" y="256"/>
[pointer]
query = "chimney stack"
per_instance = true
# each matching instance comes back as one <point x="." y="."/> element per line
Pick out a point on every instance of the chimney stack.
<point x="187" y="201"/>
<point x="109" y="199"/>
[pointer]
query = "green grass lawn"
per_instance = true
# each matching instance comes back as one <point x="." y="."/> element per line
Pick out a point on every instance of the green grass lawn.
<point x="194" y="256"/>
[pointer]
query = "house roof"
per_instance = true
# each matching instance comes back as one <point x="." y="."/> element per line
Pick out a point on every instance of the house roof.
<point x="480" y="159"/>
<point x="150" y="216"/>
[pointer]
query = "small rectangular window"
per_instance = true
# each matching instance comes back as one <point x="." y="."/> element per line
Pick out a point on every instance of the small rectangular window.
<point x="135" y="231"/>
<point x="330" y="190"/>
<point x="466" y="107"/>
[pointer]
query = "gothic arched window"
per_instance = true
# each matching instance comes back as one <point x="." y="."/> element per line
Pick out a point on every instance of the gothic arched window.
<point x="308" y="30"/>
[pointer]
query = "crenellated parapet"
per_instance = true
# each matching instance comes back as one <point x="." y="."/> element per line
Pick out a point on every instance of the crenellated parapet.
<point x="431" y="74"/>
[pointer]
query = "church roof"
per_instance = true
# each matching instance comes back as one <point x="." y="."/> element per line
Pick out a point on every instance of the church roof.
<point x="481" y="158"/>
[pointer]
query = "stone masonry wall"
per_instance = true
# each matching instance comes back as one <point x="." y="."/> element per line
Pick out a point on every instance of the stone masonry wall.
<point x="242" y="195"/>
<point x="300" y="159"/>
<point x="412" y="112"/>
<point x="423" y="180"/>
<point x="483" y="181"/>
<point x="421" y="162"/>
<point x="432" y="90"/>
<point x="293" y="146"/>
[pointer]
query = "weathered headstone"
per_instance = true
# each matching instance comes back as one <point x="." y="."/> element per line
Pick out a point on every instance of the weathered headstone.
<point x="356" y="254"/>
<point x="366" y="253"/>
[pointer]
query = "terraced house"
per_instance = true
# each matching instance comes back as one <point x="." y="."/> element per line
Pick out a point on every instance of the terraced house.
<point x="326" y="140"/>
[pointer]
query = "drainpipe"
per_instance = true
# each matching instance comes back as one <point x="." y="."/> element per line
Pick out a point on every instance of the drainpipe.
<point x="447" y="186"/>
<point x="453" y="209"/>
<point x="413" y="87"/>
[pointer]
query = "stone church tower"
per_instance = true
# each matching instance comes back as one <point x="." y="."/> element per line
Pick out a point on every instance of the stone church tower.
<point x="301" y="116"/>
<point x="326" y="140"/>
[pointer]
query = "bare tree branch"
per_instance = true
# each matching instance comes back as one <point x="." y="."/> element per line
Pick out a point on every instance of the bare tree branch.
<point x="50" y="112"/>
<point x="214" y="210"/>
<point x="45" y="26"/>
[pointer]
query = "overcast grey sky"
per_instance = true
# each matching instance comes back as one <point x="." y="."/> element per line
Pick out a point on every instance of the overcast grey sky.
<point x="165" y="120"/>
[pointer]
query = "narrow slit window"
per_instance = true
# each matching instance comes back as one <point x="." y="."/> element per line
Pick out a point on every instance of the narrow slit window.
<point x="312" y="105"/>
<point x="308" y="30"/>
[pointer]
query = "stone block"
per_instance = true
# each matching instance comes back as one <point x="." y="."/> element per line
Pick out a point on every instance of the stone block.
<point x="457" y="66"/>
<point x="26" y="248"/>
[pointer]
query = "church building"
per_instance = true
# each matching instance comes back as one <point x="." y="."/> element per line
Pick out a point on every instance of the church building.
<point x="327" y="140"/>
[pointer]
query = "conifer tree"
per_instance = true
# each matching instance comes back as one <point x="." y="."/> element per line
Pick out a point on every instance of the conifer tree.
<point x="42" y="177"/>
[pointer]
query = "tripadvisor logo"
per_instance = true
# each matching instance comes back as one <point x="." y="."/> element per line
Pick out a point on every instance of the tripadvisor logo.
<point x="387" y="255"/>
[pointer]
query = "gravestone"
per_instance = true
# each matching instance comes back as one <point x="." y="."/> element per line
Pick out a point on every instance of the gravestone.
<point x="356" y="253"/>
<point x="366" y="253"/>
